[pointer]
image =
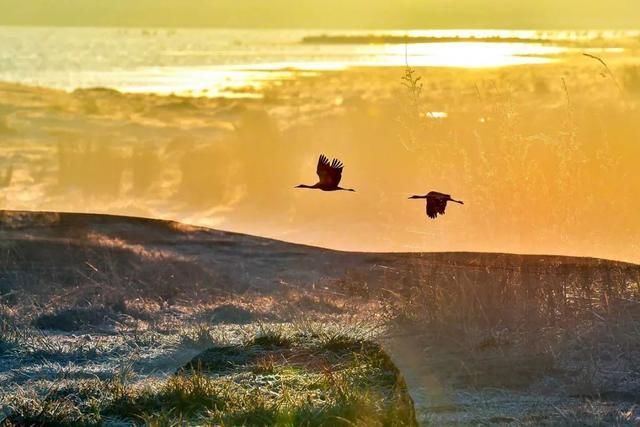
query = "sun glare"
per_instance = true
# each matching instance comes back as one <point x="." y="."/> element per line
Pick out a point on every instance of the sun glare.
<point x="247" y="80"/>
<point x="248" y="95"/>
<point x="470" y="54"/>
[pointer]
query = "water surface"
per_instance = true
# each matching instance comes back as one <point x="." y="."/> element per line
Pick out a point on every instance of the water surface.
<point x="207" y="62"/>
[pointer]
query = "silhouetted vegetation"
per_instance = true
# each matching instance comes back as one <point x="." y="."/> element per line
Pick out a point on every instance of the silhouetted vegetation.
<point x="390" y="39"/>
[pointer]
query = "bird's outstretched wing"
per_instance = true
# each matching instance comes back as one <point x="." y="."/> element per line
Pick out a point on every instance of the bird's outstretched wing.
<point x="330" y="174"/>
<point x="436" y="204"/>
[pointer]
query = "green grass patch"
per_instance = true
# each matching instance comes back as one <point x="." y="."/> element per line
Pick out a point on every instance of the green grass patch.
<point x="279" y="378"/>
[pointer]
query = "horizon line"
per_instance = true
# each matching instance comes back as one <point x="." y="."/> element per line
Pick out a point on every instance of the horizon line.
<point x="315" y="28"/>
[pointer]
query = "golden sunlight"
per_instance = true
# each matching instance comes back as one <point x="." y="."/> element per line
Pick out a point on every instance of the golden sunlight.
<point x="319" y="212"/>
<point x="470" y="54"/>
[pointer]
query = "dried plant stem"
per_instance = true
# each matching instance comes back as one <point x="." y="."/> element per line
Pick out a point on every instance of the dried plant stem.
<point x="606" y="67"/>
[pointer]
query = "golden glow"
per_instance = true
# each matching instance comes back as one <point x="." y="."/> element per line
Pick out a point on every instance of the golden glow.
<point x="210" y="83"/>
<point x="241" y="64"/>
<point x="530" y="149"/>
<point x="471" y="54"/>
<point x="247" y="81"/>
<point x="362" y="14"/>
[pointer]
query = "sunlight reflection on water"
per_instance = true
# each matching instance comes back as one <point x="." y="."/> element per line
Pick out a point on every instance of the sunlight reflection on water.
<point x="204" y="82"/>
<point x="472" y="54"/>
<point x="240" y="63"/>
<point x="248" y="80"/>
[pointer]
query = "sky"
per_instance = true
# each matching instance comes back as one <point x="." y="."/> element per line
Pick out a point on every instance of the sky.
<point x="534" y="14"/>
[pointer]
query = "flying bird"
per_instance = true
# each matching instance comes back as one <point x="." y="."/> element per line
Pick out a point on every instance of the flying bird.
<point x="330" y="174"/>
<point x="436" y="203"/>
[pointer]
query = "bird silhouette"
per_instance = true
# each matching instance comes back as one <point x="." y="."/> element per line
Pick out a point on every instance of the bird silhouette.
<point x="330" y="174"/>
<point x="436" y="203"/>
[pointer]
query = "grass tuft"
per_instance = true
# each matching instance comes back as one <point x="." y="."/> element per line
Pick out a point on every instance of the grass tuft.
<point x="271" y="338"/>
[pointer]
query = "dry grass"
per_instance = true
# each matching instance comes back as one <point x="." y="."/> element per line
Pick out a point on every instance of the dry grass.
<point x="562" y="329"/>
<point x="541" y="155"/>
<point x="549" y="331"/>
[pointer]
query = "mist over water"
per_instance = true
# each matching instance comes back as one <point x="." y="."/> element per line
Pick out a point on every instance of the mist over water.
<point x="544" y="154"/>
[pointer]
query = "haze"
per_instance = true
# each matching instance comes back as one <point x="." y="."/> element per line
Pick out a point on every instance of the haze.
<point x="538" y="14"/>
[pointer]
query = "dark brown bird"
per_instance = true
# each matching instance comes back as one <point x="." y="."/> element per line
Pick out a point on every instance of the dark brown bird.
<point x="330" y="174"/>
<point x="436" y="203"/>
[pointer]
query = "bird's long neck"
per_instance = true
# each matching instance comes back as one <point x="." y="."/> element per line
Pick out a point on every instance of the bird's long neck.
<point x="306" y="186"/>
<point x="346" y="189"/>
<point x="456" y="201"/>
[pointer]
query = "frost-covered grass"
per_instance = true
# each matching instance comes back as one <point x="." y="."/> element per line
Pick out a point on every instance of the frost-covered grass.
<point x="304" y="373"/>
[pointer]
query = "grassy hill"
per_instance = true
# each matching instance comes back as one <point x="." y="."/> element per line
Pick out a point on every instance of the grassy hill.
<point x="101" y="316"/>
